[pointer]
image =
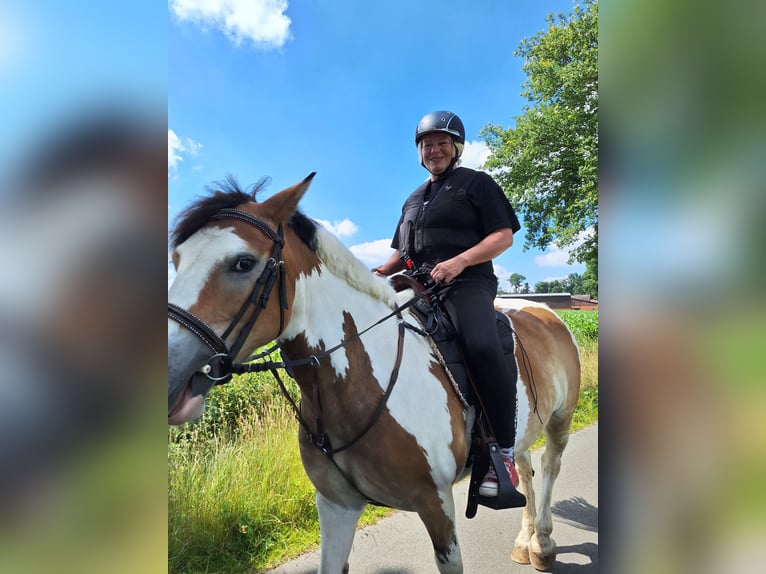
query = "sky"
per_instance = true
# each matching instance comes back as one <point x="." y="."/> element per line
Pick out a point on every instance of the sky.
<point x="61" y="61"/>
<point x="278" y="89"/>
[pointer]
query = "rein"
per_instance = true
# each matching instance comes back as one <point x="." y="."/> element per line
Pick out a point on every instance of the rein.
<point x="220" y="367"/>
<point x="320" y="438"/>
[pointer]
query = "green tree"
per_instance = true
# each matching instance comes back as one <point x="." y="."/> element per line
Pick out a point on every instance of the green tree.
<point x="590" y="277"/>
<point x="548" y="163"/>
<point x="573" y="284"/>
<point x="515" y="279"/>
<point x="553" y="286"/>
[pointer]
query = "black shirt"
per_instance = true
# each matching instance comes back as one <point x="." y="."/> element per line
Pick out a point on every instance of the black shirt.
<point x="443" y="218"/>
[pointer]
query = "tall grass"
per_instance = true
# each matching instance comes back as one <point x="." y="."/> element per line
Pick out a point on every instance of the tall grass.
<point x="238" y="501"/>
<point x="238" y="497"/>
<point x="584" y="326"/>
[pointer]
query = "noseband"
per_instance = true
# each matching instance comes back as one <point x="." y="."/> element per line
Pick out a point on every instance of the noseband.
<point x="218" y="367"/>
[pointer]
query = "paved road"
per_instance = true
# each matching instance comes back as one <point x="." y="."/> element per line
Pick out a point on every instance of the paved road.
<point x="399" y="544"/>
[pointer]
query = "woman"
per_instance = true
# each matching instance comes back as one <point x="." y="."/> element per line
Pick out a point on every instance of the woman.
<point x="453" y="226"/>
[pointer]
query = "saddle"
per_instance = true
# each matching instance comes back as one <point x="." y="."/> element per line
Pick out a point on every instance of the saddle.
<point x="437" y="325"/>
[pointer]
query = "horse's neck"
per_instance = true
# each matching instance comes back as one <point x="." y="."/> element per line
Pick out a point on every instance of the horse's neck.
<point x="328" y="310"/>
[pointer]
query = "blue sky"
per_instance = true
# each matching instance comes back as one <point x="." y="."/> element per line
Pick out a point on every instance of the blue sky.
<point x="283" y="88"/>
<point x="60" y="61"/>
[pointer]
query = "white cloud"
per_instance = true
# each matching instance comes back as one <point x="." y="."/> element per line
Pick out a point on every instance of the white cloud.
<point x="475" y="153"/>
<point x="551" y="278"/>
<point x="557" y="257"/>
<point x="178" y="147"/>
<point x="373" y="253"/>
<point x="345" y="228"/>
<point x="502" y="275"/>
<point x="553" y="257"/>
<point x="263" y="22"/>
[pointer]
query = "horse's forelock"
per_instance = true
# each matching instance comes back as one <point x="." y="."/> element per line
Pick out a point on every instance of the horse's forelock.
<point x="226" y="194"/>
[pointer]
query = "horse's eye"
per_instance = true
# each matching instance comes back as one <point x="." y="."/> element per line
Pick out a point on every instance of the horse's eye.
<point x="243" y="264"/>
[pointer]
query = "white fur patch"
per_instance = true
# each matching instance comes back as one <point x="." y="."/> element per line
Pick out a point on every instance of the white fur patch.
<point x="419" y="401"/>
<point x="198" y="257"/>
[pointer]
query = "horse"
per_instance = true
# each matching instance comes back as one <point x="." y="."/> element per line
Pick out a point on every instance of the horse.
<point x="381" y="421"/>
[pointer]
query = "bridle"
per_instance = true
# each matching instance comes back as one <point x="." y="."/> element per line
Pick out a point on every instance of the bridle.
<point x="219" y="367"/>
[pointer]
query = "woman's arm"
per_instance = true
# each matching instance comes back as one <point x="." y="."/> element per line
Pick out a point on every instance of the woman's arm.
<point x="486" y="250"/>
<point x="393" y="265"/>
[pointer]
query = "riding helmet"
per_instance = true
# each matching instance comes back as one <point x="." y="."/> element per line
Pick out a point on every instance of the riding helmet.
<point x="442" y="121"/>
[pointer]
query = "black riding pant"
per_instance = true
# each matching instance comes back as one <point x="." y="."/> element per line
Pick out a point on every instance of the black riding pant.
<point x="471" y="306"/>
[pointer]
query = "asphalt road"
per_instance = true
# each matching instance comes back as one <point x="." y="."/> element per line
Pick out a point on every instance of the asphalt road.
<point x="399" y="544"/>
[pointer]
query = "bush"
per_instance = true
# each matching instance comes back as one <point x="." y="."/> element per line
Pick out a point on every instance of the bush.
<point x="583" y="324"/>
<point x="250" y="394"/>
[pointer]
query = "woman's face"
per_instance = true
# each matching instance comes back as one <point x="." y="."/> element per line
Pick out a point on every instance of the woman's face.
<point x="437" y="151"/>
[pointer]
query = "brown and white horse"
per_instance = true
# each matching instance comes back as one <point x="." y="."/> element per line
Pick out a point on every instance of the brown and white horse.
<point x="403" y="446"/>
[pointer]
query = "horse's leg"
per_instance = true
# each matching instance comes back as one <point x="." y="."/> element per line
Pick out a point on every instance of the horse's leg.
<point x="440" y="524"/>
<point x="542" y="548"/>
<point x="337" y="525"/>
<point x="520" y="551"/>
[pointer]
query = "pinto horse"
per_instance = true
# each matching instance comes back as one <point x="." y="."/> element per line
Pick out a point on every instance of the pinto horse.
<point x="381" y="419"/>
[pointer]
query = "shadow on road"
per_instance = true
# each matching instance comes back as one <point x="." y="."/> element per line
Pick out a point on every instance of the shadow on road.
<point x="588" y="549"/>
<point x="577" y="512"/>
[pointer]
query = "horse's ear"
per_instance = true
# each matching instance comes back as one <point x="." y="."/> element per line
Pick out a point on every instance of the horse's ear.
<point x="282" y="205"/>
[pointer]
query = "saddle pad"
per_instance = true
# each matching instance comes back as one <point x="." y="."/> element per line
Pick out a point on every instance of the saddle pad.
<point x="447" y="348"/>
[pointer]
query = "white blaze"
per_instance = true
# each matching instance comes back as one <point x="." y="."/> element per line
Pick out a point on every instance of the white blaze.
<point x="198" y="257"/>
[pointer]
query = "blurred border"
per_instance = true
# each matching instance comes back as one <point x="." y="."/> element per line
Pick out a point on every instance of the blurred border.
<point x="83" y="248"/>
<point x="682" y="170"/>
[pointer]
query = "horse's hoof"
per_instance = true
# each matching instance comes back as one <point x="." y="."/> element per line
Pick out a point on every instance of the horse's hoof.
<point x="542" y="563"/>
<point x="345" y="568"/>
<point x="520" y="554"/>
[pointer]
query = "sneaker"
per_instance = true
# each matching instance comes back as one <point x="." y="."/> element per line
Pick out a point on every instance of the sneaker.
<point x="489" y="483"/>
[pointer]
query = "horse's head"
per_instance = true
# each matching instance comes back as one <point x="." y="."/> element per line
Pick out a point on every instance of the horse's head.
<point x="233" y="291"/>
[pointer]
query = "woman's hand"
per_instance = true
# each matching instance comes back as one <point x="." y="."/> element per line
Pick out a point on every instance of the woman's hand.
<point x="446" y="271"/>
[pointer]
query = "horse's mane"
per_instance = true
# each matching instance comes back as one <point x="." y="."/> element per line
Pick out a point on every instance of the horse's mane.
<point x="228" y="194"/>
<point x="341" y="262"/>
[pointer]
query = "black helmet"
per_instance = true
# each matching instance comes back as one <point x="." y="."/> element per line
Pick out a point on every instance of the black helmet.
<point x="441" y="121"/>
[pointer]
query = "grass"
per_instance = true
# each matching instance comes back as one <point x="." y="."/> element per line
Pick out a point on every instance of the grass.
<point x="239" y="501"/>
<point x="238" y="497"/>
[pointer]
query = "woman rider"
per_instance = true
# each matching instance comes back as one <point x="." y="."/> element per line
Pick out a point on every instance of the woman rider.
<point x="454" y="225"/>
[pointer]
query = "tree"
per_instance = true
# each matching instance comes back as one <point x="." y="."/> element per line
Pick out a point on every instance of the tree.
<point x="548" y="163"/>
<point x="554" y="286"/>
<point x="515" y="279"/>
<point x="573" y="284"/>
<point x="590" y="277"/>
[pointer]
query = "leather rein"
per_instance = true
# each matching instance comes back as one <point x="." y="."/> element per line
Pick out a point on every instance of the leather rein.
<point x="220" y="367"/>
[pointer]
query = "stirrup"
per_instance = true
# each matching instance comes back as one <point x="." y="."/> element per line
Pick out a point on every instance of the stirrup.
<point x="507" y="495"/>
